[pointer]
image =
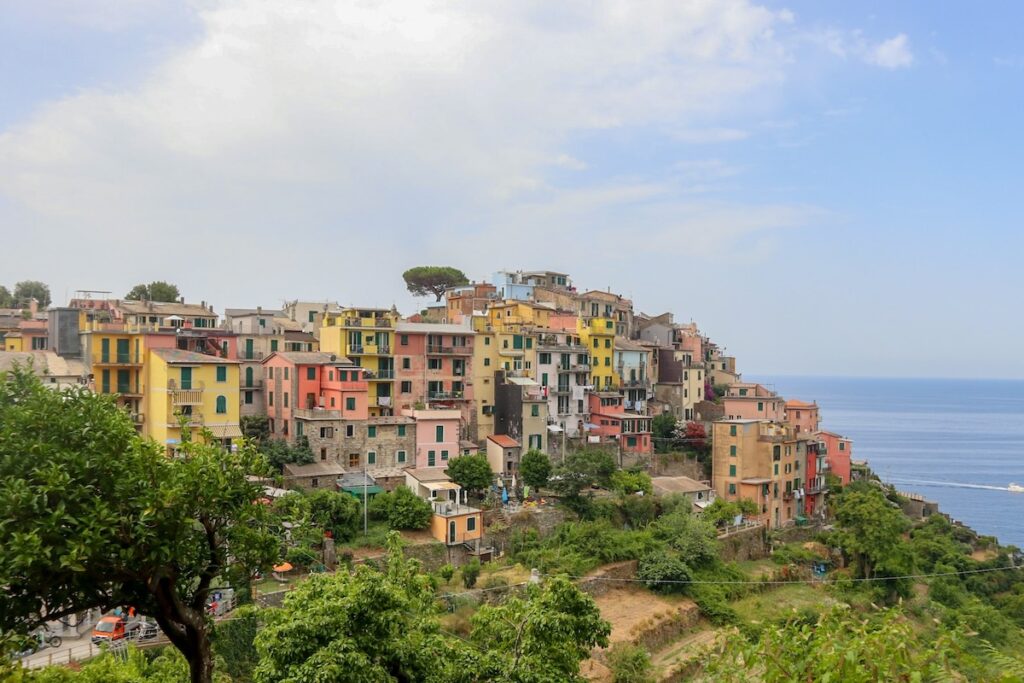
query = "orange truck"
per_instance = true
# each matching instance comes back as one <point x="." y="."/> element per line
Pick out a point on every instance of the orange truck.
<point x="111" y="628"/>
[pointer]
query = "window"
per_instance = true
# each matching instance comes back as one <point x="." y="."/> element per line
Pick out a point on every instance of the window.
<point x="471" y="524"/>
<point x="343" y="375"/>
<point x="286" y="399"/>
<point x="350" y="403"/>
<point x="327" y="432"/>
<point x="400" y="456"/>
<point x="310" y="373"/>
<point x="487" y="362"/>
<point x="406" y="387"/>
<point x="270" y="372"/>
<point x="760" y="406"/>
<point x="439" y="433"/>
<point x="607" y="362"/>
<point x="314" y="483"/>
<point x="732" y="430"/>
<point x="487" y="341"/>
<point x="776" y="452"/>
<point x="732" y="470"/>
<point x="535" y="410"/>
<point x="631" y="441"/>
<point x="796" y="465"/>
<point x="732" y="489"/>
<point x="431" y="458"/>
<point x="332" y="402"/>
<point x="544" y="358"/>
<point x="743" y="392"/>
<point x="222" y="405"/>
<point x="403" y="339"/>
<point x="270" y="423"/>
<point x="529" y="342"/>
<point x="444" y="455"/>
<point x="300" y="428"/>
<point x="371" y="431"/>
<point x="270" y="398"/>
<point x="433" y="363"/>
<point x="323" y="454"/>
<point x="406" y="363"/>
<point x="248" y="398"/>
<point x="371" y="457"/>
<point x="401" y="430"/>
<point x="263" y="322"/>
<point x="732" y="450"/>
<point x="350" y="430"/>
<point x="353" y="460"/>
<point x="222" y="373"/>
<point x="286" y="372"/>
<point x="544" y="379"/>
<point x="597" y="344"/>
<point x="776" y="469"/>
<point x="842" y="445"/>
<point x="312" y="316"/>
<point x="273" y="345"/>
<point x="607" y="343"/>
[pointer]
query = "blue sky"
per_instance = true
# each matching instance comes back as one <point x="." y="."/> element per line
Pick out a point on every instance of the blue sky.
<point x="826" y="187"/>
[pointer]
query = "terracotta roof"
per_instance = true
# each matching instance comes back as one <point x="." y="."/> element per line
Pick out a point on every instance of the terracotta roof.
<point x="428" y="474"/>
<point x="503" y="440"/>
<point x="432" y="328"/>
<point x="793" y="403"/>
<point x="678" y="485"/>
<point x="311" y="358"/>
<point x="162" y="308"/>
<point x="315" y="469"/>
<point x="190" y="358"/>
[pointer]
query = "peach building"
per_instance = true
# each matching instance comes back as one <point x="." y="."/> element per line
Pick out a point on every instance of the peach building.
<point x="749" y="401"/>
<point x="438" y="436"/>
<point x="301" y="383"/>
<point x="611" y="423"/>
<point x="802" y="415"/>
<point x="433" y="367"/>
<point x="838" y="451"/>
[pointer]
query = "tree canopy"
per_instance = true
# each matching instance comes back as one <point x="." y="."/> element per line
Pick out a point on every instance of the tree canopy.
<point x="6" y="298"/>
<point x="471" y="472"/>
<point x="401" y="509"/>
<point x="157" y="290"/>
<point x="31" y="289"/>
<point x="535" y="468"/>
<point x="95" y="517"/>
<point x="425" y="280"/>
<point x="871" y="531"/>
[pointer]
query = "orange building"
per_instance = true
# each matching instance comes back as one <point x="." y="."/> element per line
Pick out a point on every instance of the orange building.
<point x="803" y="416"/>
<point x="305" y="384"/>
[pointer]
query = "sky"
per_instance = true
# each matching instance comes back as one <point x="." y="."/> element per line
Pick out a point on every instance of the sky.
<point x="826" y="187"/>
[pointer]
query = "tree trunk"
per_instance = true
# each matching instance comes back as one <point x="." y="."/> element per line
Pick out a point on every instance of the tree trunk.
<point x="200" y="665"/>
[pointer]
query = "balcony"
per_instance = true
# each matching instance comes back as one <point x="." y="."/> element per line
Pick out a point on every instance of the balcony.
<point x="560" y="390"/>
<point x="354" y="349"/>
<point x="446" y="395"/>
<point x="317" y="414"/>
<point x="385" y="374"/>
<point x="636" y="384"/>
<point x="376" y="350"/>
<point x="579" y="367"/>
<point x="435" y="350"/>
<point x="129" y="390"/>
<point x="251" y="355"/>
<point x="185" y="397"/>
<point x="193" y="419"/>
<point x="256" y="384"/>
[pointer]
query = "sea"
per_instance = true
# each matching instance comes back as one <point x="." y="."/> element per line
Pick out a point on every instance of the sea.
<point x="958" y="442"/>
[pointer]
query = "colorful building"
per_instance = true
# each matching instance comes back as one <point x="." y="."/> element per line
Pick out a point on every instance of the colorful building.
<point x="837" y="450"/>
<point x="521" y="411"/>
<point x="680" y="384"/>
<point x="434" y="367"/>
<point x="596" y="304"/>
<point x="366" y="336"/>
<point x="598" y="335"/>
<point x="195" y="389"/>
<point x="453" y="522"/>
<point x="305" y="388"/>
<point x="803" y="416"/>
<point x="632" y="363"/>
<point x="759" y="460"/>
<point x="610" y="423"/>
<point x="747" y="401"/>
<point x="438" y="436"/>
<point x="563" y="372"/>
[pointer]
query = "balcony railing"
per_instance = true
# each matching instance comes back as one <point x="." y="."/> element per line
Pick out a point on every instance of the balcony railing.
<point x="253" y="384"/>
<point x="446" y="395"/>
<point x="119" y="359"/>
<point x="251" y="355"/>
<point x="186" y="397"/>
<point x="193" y="419"/>
<point x="380" y="374"/>
<point x="376" y="349"/>
<point x="355" y="348"/>
<point x="433" y="349"/>
<point x="129" y="389"/>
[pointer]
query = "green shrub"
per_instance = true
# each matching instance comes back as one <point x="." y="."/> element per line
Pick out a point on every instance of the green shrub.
<point x="470" y="572"/>
<point x="630" y="663"/>
<point x="446" y="572"/>
<point x="665" y="572"/>
<point x="713" y="604"/>
<point x="401" y="509"/>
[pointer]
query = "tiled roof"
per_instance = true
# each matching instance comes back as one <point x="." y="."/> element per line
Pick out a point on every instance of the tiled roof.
<point x="162" y="308"/>
<point x="312" y="357"/>
<point x="432" y="328"/>
<point x="503" y="440"/>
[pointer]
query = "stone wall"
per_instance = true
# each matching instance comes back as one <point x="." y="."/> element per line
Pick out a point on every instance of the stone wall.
<point x="745" y="544"/>
<point x="598" y="583"/>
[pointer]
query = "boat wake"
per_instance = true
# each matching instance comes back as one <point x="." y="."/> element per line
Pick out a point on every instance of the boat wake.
<point x="1013" y="488"/>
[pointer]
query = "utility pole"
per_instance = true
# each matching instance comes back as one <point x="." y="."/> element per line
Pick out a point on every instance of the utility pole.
<point x="365" y="506"/>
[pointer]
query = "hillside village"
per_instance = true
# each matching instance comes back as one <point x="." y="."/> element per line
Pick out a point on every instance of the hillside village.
<point x="524" y="362"/>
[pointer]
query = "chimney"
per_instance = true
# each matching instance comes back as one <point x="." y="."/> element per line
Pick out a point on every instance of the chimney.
<point x="259" y="310"/>
<point x="203" y="304"/>
<point x="181" y="300"/>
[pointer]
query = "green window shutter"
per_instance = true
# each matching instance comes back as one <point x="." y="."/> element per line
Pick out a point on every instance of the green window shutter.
<point x="371" y="431"/>
<point x="732" y="470"/>
<point x="310" y="373"/>
<point x="222" y="405"/>
<point x="273" y="345"/>
<point x="732" y="450"/>
<point x="222" y="373"/>
<point x="631" y="441"/>
<point x="760" y="406"/>
<point x="431" y="458"/>
<point x="401" y="430"/>
<point x="350" y="404"/>
<point x="248" y="398"/>
<point x="529" y="342"/>
<point x="371" y="458"/>
<point x="732" y="430"/>
<point x="732" y="489"/>
<point x="439" y="433"/>
<point x="444" y="455"/>
<point x="401" y="456"/>
<point x="535" y="410"/>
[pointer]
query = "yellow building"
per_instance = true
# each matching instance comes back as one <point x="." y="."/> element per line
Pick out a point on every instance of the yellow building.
<point x="485" y="362"/>
<point x="516" y="325"/>
<point x="115" y="356"/>
<point x="201" y="388"/>
<point x="366" y="336"/>
<point x="598" y="335"/>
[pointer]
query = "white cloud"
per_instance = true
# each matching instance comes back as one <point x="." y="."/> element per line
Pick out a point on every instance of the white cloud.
<point x="375" y="134"/>
<point x="894" y="53"/>
<point x="891" y="54"/>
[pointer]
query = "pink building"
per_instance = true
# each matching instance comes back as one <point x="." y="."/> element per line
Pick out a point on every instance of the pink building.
<point x="747" y="401"/>
<point x="611" y="423"/>
<point x="562" y="321"/>
<point x="838" y="451"/>
<point x="438" y="436"/>
<point x="432" y="365"/>
<point x="300" y="382"/>
<point x="802" y="415"/>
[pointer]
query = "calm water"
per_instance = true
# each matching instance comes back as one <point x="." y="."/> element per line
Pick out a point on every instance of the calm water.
<point x="958" y="442"/>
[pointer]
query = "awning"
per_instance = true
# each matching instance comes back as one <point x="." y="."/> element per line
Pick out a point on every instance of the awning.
<point x="555" y="429"/>
<point x="441" y="486"/>
<point x="589" y="425"/>
<point x="358" y="491"/>
<point x="226" y="431"/>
